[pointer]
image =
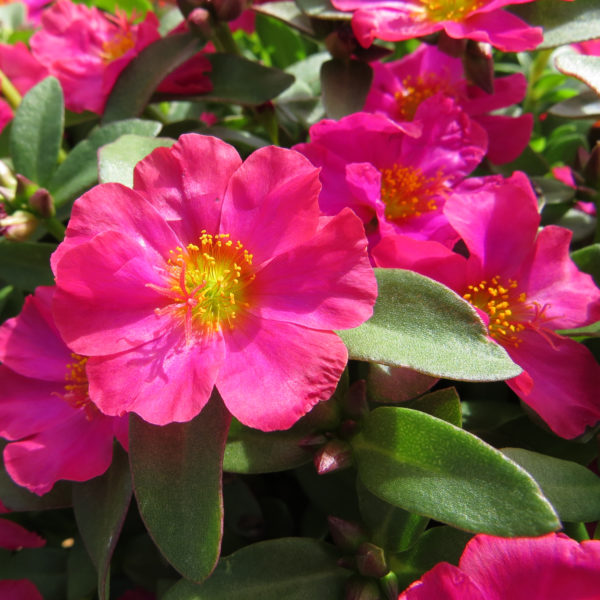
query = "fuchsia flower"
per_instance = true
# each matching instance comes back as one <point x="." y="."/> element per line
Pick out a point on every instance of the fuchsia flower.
<point x="86" y="50"/>
<point x="212" y="272"/>
<point x="525" y="287"/>
<point x="551" y="567"/>
<point x="45" y="410"/>
<point x="399" y="87"/>
<point x="480" y="20"/>
<point x="19" y="589"/>
<point x="565" y="175"/>
<point x="14" y="537"/>
<point x="590" y="47"/>
<point x="397" y="176"/>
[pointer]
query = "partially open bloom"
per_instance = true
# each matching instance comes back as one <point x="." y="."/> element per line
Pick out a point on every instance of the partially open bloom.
<point x="397" y="176"/>
<point x="493" y="568"/>
<point x="480" y="20"/>
<point x="525" y="287"/>
<point x="399" y="87"/>
<point x="212" y="272"/>
<point x="55" y="432"/>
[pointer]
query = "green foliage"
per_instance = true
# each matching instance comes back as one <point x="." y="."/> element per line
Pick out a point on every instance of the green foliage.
<point x="26" y="264"/>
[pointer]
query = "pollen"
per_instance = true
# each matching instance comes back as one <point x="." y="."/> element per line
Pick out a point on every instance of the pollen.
<point x="209" y="284"/>
<point x="449" y="10"/>
<point x="121" y="42"/>
<point x="414" y="91"/>
<point x="76" y="386"/>
<point x="407" y="192"/>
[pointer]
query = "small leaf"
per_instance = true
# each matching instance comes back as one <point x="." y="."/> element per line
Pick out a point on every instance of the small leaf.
<point x="588" y="260"/>
<point x="572" y="489"/>
<point x="583" y="106"/>
<point x="137" y="82"/>
<point x="427" y="466"/>
<point x="12" y="15"/>
<point x="37" y="131"/>
<point x="118" y="159"/>
<point x="242" y="81"/>
<point x="345" y="85"/>
<point x="290" y="568"/>
<point x="177" y="477"/>
<point x="289" y="13"/>
<point x="80" y="169"/>
<point x="26" y="264"/>
<point x="443" y="404"/>
<point x="584" y="68"/>
<point x="322" y="9"/>
<point x="421" y="324"/>
<point x="100" y="507"/>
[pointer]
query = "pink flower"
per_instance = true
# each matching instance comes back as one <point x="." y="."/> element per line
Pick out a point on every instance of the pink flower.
<point x="19" y="589"/>
<point x="55" y="431"/>
<point x="86" y="50"/>
<point x="399" y="87"/>
<point x="590" y="47"/>
<point x="480" y="20"/>
<point x="565" y="175"/>
<point x="15" y="537"/>
<point x="396" y="176"/>
<point x="212" y="272"/>
<point x="525" y="287"/>
<point x="492" y="568"/>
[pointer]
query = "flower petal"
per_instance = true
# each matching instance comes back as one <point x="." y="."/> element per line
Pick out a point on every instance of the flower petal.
<point x="15" y="537"/>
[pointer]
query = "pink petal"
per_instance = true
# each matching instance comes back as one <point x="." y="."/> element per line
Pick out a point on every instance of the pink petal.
<point x="276" y="372"/>
<point x="271" y="204"/>
<point x="504" y="148"/>
<point x="186" y="183"/>
<point x="444" y="582"/>
<point x="566" y="380"/>
<point x="163" y="381"/>
<point x="15" y="537"/>
<point x="19" y="589"/>
<point x="327" y="283"/>
<point x="507" y="90"/>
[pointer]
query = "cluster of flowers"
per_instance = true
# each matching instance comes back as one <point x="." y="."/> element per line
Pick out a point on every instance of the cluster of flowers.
<point x="213" y="271"/>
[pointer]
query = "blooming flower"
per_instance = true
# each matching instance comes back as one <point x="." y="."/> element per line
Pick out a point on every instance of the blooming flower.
<point x="14" y="537"/>
<point x="399" y="87"/>
<point x="55" y="431"/>
<point x="19" y="589"/>
<point x="525" y="287"/>
<point x="480" y="20"/>
<point x="396" y="176"/>
<point x="492" y="568"/>
<point x="212" y="272"/>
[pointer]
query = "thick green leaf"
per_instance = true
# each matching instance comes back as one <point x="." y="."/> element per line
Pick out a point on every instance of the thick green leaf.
<point x="177" y="481"/>
<point x="573" y="490"/>
<point x="138" y="8"/>
<point x="322" y="9"/>
<point x="37" y="131"/>
<point x="563" y="22"/>
<point x="81" y="574"/>
<point x="117" y="160"/>
<point x="421" y="324"/>
<point x="427" y="466"/>
<point x="100" y="507"/>
<point x="242" y="81"/>
<point x="80" y="169"/>
<point x="584" y="68"/>
<point x="583" y="106"/>
<point x="137" y="82"/>
<point x="588" y="260"/>
<point x="345" y="85"/>
<point x="290" y="568"/>
<point x="443" y="404"/>
<point x="12" y="15"/>
<point x="289" y="13"/>
<point x="26" y="264"/>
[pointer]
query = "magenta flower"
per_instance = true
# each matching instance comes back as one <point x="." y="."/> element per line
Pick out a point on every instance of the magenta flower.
<point x="396" y="176"/>
<point x="45" y="410"/>
<point x="212" y="272"/>
<point x="86" y="50"/>
<point x="480" y="20"/>
<point x="14" y="537"/>
<point x="492" y="568"/>
<point x="19" y="589"/>
<point x="399" y="87"/>
<point x="525" y="286"/>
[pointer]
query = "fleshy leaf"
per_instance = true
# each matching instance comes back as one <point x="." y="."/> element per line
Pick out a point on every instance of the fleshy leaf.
<point x="118" y="159"/>
<point x="177" y="480"/>
<point x="37" y="130"/>
<point x="573" y="490"/>
<point x="100" y="507"/>
<point x="345" y="85"/>
<point x="421" y="324"/>
<point x="290" y="568"/>
<point x="582" y="106"/>
<point x="584" y="68"/>
<point x="427" y="466"/>
<point x="443" y="404"/>
<point x="26" y="264"/>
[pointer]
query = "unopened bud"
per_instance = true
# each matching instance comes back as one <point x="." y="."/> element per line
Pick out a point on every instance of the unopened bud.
<point x="198" y="21"/>
<point x="42" y="203"/>
<point x="19" y="226"/>
<point x="355" y="402"/>
<point x="25" y="187"/>
<point x="341" y="43"/>
<point x="389" y="586"/>
<point x="370" y="560"/>
<point x="346" y="535"/>
<point x="360" y="588"/>
<point x="313" y="441"/>
<point x="335" y="455"/>
<point x="478" y="63"/>
<point x="450" y="46"/>
<point x="7" y="178"/>
<point x="228" y="10"/>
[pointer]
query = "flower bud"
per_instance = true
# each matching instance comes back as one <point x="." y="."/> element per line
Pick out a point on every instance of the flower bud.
<point x="478" y="63"/>
<point x="335" y="455"/>
<point x="360" y="588"/>
<point x="198" y="21"/>
<point x="346" y="535"/>
<point x="41" y="201"/>
<point x="228" y="10"/>
<point x="355" y="402"/>
<point x="389" y="586"/>
<point x="370" y="560"/>
<point x="19" y="226"/>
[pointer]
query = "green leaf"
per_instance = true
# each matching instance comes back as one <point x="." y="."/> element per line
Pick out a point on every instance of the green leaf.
<point x="584" y="68"/>
<point x="242" y="81"/>
<point x="37" y="131"/>
<point x="322" y="9"/>
<point x="572" y="489"/>
<point x="80" y="169"/>
<point x="345" y="85"/>
<point x="563" y="22"/>
<point x="137" y="82"/>
<point x="12" y="15"/>
<point x="443" y="404"/>
<point x="583" y="106"/>
<point x="26" y="264"/>
<point x="117" y="160"/>
<point x="588" y="260"/>
<point x="100" y="507"/>
<point x="427" y="466"/>
<point x="81" y="575"/>
<point x="289" y="13"/>
<point x="139" y="8"/>
<point x="290" y="568"/>
<point x="421" y="324"/>
<point x="177" y="480"/>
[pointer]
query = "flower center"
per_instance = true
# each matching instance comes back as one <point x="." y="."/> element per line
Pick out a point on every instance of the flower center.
<point x="76" y="386"/>
<point x="208" y="283"/>
<point x="118" y="45"/>
<point x="450" y="10"/>
<point x="406" y="192"/>
<point x="415" y="90"/>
